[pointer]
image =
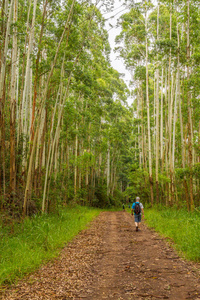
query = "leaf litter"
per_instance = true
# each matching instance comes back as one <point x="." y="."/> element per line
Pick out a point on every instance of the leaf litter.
<point x="110" y="260"/>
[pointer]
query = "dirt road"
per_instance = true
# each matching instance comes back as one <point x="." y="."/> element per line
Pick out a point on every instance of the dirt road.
<point x="110" y="260"/>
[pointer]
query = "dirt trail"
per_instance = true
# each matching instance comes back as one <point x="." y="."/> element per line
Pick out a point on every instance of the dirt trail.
<point x="110" y="260"/>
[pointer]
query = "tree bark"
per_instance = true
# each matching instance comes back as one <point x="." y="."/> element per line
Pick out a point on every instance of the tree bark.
<point x="189" y="110"/>
<point x="37" y="70"/>
<point x="148" y="115"/>
<point x="108" y="170"/>
<point x="13" y="106"/>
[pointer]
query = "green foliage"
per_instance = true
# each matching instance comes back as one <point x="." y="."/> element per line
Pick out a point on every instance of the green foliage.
<point x="39" y="239"/>
<point x="181" y="172"/>
<point x="101" y="199"/>
<point x="138" y="184"/>
<point x="196" y="170"/>
<point x="180" y="226"/>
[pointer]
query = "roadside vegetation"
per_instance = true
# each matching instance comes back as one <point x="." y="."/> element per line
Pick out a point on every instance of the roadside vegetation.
<point x="182" y="228"/>
<point x="25" y="246"/>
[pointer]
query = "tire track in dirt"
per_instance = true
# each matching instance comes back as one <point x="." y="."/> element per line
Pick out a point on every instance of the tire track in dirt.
<point x="110" y="260"/>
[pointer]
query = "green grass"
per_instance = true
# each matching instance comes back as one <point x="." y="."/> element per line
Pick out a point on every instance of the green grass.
<point x="39" y="240"/>
<point x="182" y="227"/>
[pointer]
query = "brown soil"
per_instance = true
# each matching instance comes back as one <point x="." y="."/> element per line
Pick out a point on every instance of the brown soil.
<point x="110" y="260"/>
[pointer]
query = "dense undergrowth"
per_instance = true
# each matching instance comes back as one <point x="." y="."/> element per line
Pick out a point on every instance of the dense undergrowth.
<point x="180" y="227"/>
<point x="24" y="247"/>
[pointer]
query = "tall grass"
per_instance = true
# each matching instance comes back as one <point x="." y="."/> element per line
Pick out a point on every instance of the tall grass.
<point x="180" y="226"/>
<point x="38" y="240"/>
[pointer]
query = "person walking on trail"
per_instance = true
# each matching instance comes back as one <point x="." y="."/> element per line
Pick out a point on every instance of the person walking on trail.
<point x="137" y="208"/>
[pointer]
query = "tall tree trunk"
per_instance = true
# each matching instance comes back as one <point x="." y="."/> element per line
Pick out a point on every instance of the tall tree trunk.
<point x="189" y="109"/>
<point x="75" y="161"/>
<point x="157" y="118"/>
<point x="13" y="105"/>
<point x="157" y="137"/>
<point x="27" y="90"/>
<point x="165" y="158"/>
<point x="170" y="105"/>
<point x="161" y="121"/>
<point x="20" y="122"/>
<point x="37" y="70"/>
<point x="108" y="170"/>
<point x="4" y="53"/>
<point x="143" y="130"/>
<point x="148" y="114"/>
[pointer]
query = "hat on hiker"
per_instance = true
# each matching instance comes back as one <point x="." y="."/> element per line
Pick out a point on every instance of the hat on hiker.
<point x="137" y="198"/>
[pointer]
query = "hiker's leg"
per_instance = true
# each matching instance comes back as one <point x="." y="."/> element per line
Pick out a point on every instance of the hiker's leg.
<point x="136" y="222"/>
<point x="139" y="220"/>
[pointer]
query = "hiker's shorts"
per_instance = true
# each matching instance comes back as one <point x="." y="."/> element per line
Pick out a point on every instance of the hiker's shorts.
<point x="137" y="218"/>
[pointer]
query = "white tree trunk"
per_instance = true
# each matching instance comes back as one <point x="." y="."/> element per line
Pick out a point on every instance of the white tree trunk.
<point x="5" y="52"/>
<point x="148" y="114"/>
<point x="13" y="103"/>
<point x="27" y="89"/>
<point x="161" y="118"/>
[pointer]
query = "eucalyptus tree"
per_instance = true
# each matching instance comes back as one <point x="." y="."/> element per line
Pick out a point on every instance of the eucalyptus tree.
<point x="5" y="34"/>
<point x="43" y="100"/>
<point x="135" y="38"/>
<point x="92" y="84"/>
<point x="13" y="102"/>
<point x="172" y="53"/>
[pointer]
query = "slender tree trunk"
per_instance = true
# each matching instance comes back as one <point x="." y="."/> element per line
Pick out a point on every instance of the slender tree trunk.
<point x="148" y="115"/>
<point x="20" y="122"/>
<point x="166" y="136"/>
<point x="189" y="109"/>
<point x="108" y="170"/>
<point x="4" y="53"/>
<point x="41" y="154"/>
<point x="161" y="122"/>
<point x="3" y="12"/>
<point x="142" y="129"/>
<point x="157" y="137"/>
<point x="170" y="105"/>
<point x="80" y="169"/>
<point x="37" y="70"/>
<point x="27" y="89"/>
<point x="157" y="117"/>
<point x="13" y="106"/>
<point x="75" y="161"/>
<point x="139" y="135"/>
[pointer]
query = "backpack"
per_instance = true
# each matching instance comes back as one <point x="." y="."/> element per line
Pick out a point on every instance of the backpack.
<point x="137" y="209"/>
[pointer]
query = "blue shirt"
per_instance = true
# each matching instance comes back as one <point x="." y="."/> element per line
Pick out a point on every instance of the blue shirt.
<point x="133" y="206"/>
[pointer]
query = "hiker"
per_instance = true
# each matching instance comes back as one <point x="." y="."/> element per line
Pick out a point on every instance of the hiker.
<point x="137" y="208"/>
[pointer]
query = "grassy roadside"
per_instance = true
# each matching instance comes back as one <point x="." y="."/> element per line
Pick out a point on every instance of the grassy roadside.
<point x="38" y="240"/>
<point x="182" y="227"/>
